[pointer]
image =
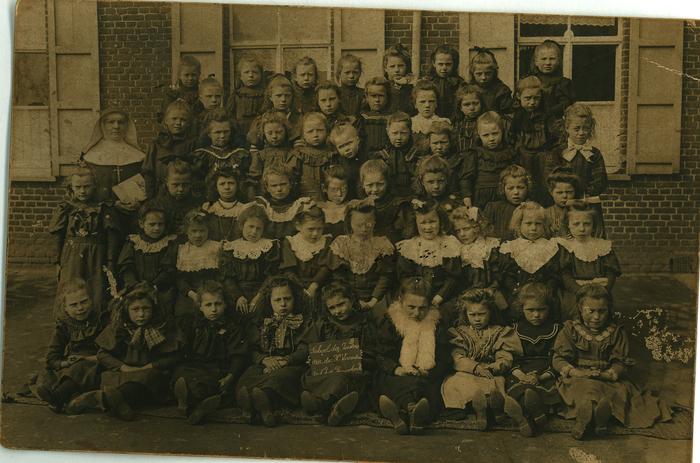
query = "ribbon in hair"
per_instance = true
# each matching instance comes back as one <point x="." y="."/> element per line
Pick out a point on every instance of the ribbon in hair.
<point x="473" y="214"/>
<point x="417" y="203"/>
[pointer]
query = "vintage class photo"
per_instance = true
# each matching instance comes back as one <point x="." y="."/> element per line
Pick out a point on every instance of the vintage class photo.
<point x="390" y="235"/>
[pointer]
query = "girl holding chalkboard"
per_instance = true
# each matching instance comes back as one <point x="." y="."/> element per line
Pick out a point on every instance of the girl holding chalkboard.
<point x="335" y="384"/>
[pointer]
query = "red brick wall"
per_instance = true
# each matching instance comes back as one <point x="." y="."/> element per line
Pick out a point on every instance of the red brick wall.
<point x="135" y="59"/>
<point x="437" y="28"/>
<point x="398" y="28"/>
<point x="654" y="218"/>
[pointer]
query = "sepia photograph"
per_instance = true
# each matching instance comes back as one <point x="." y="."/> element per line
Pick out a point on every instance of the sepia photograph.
<point x="350" y="234"/>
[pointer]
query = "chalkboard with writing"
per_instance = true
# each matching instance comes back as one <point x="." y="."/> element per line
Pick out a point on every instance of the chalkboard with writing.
<point x="337" y="356"/>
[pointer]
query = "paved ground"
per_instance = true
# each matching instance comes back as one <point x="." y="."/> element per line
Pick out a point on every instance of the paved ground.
<point x="27" y="319"/>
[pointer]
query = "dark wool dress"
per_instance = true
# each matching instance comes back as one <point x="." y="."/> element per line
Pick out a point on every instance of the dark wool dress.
<point x="395" y="330"/>
<point x="402" y="167"/>
<point x="245" y="103"/>
<point x="351" y="100"/>
<point x="499" y="214"/>
<point x="153" y="169"/>
<point x="123" y="343"/>
<point x="304" y="98"/>
<point x="222" y="219"/>
<point x="246" y="265"/>
<point x="195" y="265"/>
<point x="483" y="167"/>
<point x="84" y="240"/>
<point x="436" y="261"/>
<point x="480" y="263"/>
<point x="367" y="268"/>
<point x="394" y="217"/>
<point x="210" y="158"/>
<point x="281" y="213"/>
<point x="331" y="387"/>
<point x="308" y="164"/>
<point x="213" y="349"/>
<point x="523" y="261"/>
<point x="532" y="137"/>
<point x="373" y="125"/>
<point x="558" y="94"/>
<point x="175" y="209"/>
<point x="278" y="337"/>
<point x="401" y="99"/>
<point x="537" y="344"/>
<point x="497" y="97"/>
<point x="73" y="337"/>
<point x="447" y="89"/>
<point x="306" y="261"/>
<point x="465" y="134"/>
<point x="264" y="157"/>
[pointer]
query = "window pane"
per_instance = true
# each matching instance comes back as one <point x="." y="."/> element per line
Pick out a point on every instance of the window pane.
<point x="584" y="26"/>
<point x="30" y="25"/>
<point x="31" y="79"/>
<point x="593" y="72"/>
<point x="524" y="60"/>
<point x="320" y="55"/>
<point x="254" y="23"/>
<point x="540" y="25"/>
<point x="301" y="25"/>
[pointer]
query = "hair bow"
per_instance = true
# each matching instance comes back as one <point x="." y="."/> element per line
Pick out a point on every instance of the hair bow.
<point x="473" y="214"/>
<point x="417" y="203"/>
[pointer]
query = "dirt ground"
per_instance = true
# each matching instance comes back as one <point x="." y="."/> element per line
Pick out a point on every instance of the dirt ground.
<point x="28" y="324"/>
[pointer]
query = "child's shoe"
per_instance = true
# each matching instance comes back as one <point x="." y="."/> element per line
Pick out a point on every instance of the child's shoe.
<point x="244" y="402"/>
<point x="601" y="416"/>
<point x="389" y="410"/>
<point x="204" y="408"/>
<point x="515" y="411"/>
<point x="496" y="403"/>
<point x="342" y="408"/>
<point x="181" y="394"/>
<point x="419" y="416"/>
<point x="261" y="403"/>
<point x="584" y="412"/>
<point x="534" y="407"/>
<point x="87" y="402"/>
<point x="310" y="403"/>
<point x="117" y="406"/>
<point x="47" y="395"/>
<point x="479" y="406"/>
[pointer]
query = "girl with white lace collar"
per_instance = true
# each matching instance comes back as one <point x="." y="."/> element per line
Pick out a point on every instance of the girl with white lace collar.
<point x="151" y="254"/>
<point x="249" y="260"/>
<point x="432" y="255"/>
<point x="305" y="253"/>
<point x="529" y="257"/>
<point x="197" y="261"/>
<point x="585" y="259"/>
<point x="225" y="207"/>
<point x="483" y="353"/>
<point x="478" y="252"/>
<point x="412" y="359"/>
<point x="336" y="180"/>
<point x="279" y="202"/>
<point x="361" y="259"/>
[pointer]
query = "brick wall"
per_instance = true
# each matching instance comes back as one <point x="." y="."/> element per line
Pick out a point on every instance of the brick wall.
<point x="651" y="218"/>
<point x="135" y="59"/>
<point x="437" y="28"/>
<point x="654" y="218"/>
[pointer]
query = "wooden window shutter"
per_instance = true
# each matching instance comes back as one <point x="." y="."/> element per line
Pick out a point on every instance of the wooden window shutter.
<point x="654" y="101"/>
<point x="74" y="70"/>
<point x="493" y="31"/>
<point x="361" y="33"/>
<point x="30" y="146"/>
<point x="198" y="30"/>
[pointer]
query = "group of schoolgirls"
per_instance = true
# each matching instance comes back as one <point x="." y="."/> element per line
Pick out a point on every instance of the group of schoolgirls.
<point x="453" y="229"/>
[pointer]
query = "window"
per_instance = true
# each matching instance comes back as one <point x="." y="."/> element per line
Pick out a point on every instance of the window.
<point x="592" y="59"/>
<point x="280" y="36"/>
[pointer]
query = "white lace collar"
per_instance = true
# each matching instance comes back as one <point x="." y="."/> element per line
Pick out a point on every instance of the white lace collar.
<point x="244" y="249"/>
<point x="476" y="253"/>
<point x="303" y="250"/>
<point x="288" y="214"/>
<point x="144" y="246"/>
<point x="429" y="253"/>
<point x="192" y="258"/>
<point x="588" y="251"/>
<point x="361" y="258"/>
<point x="530" y="255"/>
<point x="334" y="213"/>
<point x="225" y="209"/>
